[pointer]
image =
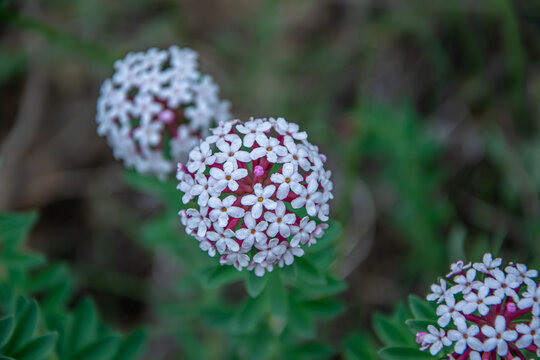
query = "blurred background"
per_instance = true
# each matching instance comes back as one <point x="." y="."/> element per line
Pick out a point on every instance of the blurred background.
<point x="428" y="112"/>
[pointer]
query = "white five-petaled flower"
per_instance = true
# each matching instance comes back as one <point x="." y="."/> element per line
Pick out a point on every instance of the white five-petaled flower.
<point x="435" y="339"/>
<point x="230" y="151"/>
<point x="269" y="252"/>
<point x="223" y="240"/>
<point x="466" y="283"/>
<point x="498" y="336"/>
<point x="531" y="299"/>
<point x="478" y="301"/>
<point x="253" y="130"/>
<point x="204" y="188"/>
<point x="260" y="198"/>
<point x="488" y="264"/>
<point x="228" y="176"/>
<point x="222" y="209"/>
<point x="503" y="285"/>
<point x="200" y="157"/>
<point x="521" y="273"/>
<point x="465" y="336"/>
<point x="439" y="292"/>
<point x="458" y="268"/>
<point x="253" y="231"/>
<point x="302" y="232"/>
<point x="198" y="220"/>
<point x="280" y="221"/>
<point x="288" y="179"/>
<point x="269" y="147"/>
<point x="289" y="254"/>
<point x="530" y="333"/>
<point x="308" y="198"/>
<point x="448" y="311"/>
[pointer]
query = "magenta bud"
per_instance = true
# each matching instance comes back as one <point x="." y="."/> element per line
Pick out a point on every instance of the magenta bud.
<point x="166" y="116"/>
<point x="258" y="170"/>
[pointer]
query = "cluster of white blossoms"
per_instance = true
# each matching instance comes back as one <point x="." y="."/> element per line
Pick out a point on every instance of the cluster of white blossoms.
<point x="156" y="107"/>
<point x="259" y="192"/>
<point x="485" y="312"/>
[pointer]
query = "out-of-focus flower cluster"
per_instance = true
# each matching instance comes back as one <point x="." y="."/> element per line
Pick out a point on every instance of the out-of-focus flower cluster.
<point x="259" y="192"/>
<point x="485" y="312"/>
<point x="156" y="108"/>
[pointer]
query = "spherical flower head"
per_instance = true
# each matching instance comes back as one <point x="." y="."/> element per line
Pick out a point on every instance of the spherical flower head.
<point x="485" y="312"/>
<point x="259" y="193"/>
<point x="156" y="107"/>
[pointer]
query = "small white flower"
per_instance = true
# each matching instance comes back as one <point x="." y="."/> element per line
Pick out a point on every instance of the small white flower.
<point x="198" y="220"/>
<point x="260" y="198"/>
<point x="208" y="247"/>
<point x="230" y="151"/>
<point x="288" y="256"/>
<point x="521" y="273"/>
<point x="302" y="232"/>
<point x="466" y="283"/>
<point x="253" y="232"/>
<point x="436" y="339"/>
<point x="222" y="209"/>
<point x="149" y="134"/>
<point x="530" y="333"/>
<point x="223" y="241"/>
<point x="531" y="299"/>
<point x="260" y="268"/>
<point x="288" y="179"/>
<point x="458" y="268"/>
<point x="297" y="155"/>
<point x="204" y="188"/>
<point x="465" y="337"/>
<point x="269" y="147"/>
<point x="280" y="221"/>
<point x="289" y="129"/>
<point x="185" y="185"/>
<point x="498" y="337"/>
<point x="228" y="176"/>
<point x="439" y="292"/>
<point x="270" y="252"/>
<point x="448" y="311"/>
<point x="253" y="130"/>
<point x="503" y="285"/>
<point x="200" y="157"/>
<point x="308" y="198"/>
<point x="238" y="260"/>
<point x="488" y="264"/>
<point x="221" y="132"/>
<point x="478" y="301"/>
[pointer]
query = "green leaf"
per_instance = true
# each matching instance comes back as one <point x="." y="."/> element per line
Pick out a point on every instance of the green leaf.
<point x="422" y="310"/>
<point x="250" y="314"/>
<point x="132" y="347"/>
<point x="38" y="348"/>
<point x="255" y="284"/>
<point x="390" y="333"/>
<point x="324" y="308"/>
<point x="103" y="349"/>
<point x="300" y="321"/>
<point x="6" y="328"/>
<point x="404" y="353"/>
<point x="15" y="226"/>
<point x="277" y="295"/>
<point x="330" y="235"/>
<point x="311" y="350"/>
<point x="309" y="273"/>
<point x="83" y="326"/>
<point x="25" y="328"/>
<point x="360" y="346"/>
<point x="220" y="275"/>
<point x="46" y="278"/>
<point x="417" y="326"/>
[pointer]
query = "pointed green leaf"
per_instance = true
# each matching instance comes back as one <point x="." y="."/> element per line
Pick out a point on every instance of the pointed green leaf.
<point x="404" y="353"/>
<point x="25" y="327"/>
<point x="390" y="333"/>
<point x="83" y="326"/>
<point x="255" y="284"/>
<point x="6" y="328"/>
<point x="277" y="295"/>
<point x="38" y="348"/>
<point x="132" y="347"/>
<point x="417" y="326"/>
<point x="221" y="275"/>
<point x="422" y="310"/>
<point x="103" y="349"/>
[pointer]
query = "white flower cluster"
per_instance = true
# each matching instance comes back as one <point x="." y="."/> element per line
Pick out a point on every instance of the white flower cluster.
<point x="259" y="191"/>
<point x="487" y="312"/>
<point x="156" y="108"/>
